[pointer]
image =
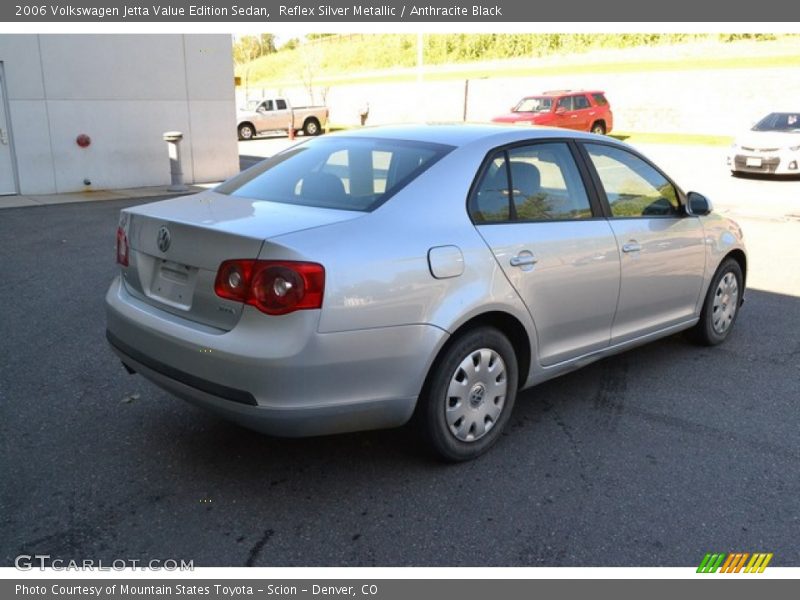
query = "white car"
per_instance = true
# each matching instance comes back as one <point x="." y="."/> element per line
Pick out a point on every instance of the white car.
<point x="772" y="146"/>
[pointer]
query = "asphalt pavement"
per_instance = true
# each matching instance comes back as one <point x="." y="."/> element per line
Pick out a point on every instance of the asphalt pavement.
<point x="651" y="458"/>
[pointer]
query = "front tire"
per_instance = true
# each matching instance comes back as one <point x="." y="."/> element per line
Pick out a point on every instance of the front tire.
<point x="469" y="395"/>
<point x="246" y="131"/>
<point x="721" y="306"/>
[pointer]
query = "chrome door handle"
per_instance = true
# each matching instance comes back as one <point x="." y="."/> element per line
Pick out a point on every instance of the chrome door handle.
<point x="632" y="247"/>
<point x="523" y="260"/>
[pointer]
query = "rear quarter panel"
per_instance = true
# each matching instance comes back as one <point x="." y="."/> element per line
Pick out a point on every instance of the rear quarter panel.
<point x="376" y="266"/>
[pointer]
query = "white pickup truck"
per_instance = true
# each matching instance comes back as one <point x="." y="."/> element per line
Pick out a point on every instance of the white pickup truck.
<point x="275" y="114"/>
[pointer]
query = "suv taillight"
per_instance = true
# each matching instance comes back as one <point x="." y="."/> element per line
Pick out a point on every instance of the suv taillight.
<point x="276" y="287"/>
<point x="122" y="247"/>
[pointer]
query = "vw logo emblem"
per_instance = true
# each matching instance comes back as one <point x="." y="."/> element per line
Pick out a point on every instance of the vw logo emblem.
<point x="163" y="239"/>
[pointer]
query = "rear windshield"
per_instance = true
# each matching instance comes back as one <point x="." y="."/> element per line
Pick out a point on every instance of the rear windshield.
<point x="336" y="172"/>
<point x="779" y="122"/>
<point x="539" y="104"/>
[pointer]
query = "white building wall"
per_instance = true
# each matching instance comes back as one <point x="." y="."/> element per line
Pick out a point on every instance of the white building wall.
<point x="123" y="91"/>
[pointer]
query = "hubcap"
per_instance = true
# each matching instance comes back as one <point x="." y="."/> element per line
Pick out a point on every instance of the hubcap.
<point x="476" y="395"/>
<point x="726" y="302"/>
<point x="247" y="133"/>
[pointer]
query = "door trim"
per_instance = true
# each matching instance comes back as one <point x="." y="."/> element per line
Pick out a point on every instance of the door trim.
<point x="6" y="108"/>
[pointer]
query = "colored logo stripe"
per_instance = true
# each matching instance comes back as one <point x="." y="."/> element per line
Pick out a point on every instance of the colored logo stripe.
<point x="734" y="562"/>
<point x="758" y="563"/>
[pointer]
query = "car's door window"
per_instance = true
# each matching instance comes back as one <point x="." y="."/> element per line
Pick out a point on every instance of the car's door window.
<point x="539" y="182"/>
<point x="581" y="102"/>
<point x="281" y="104"/>
<point x="491" y="201"/>
<point x="565" y="103"/>
<point x="633" y="187"/>
<point x="268" y="105"/>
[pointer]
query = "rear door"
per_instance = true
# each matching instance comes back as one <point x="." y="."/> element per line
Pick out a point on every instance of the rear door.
<point x="532" y="208"/>
<point x="566" y="115"/>
<point x="661" y="248"/>
<point x="584" y="112"/>
<point x="271" y="117"/>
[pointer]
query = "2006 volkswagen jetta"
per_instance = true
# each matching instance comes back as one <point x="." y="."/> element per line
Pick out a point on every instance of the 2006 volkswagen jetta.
<point x="355" y="280"/>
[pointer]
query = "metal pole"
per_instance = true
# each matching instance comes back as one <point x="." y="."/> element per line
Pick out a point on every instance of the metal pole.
<point x="466" y="98"/>
<point x="420" y="66"/>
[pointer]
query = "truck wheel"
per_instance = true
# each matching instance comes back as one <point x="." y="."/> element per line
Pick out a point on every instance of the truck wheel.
<point x="311" y="127"/>
<point x="246" y="131"/>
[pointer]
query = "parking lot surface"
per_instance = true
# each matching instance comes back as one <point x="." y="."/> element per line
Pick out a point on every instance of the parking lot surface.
<point x="649" y="458"/>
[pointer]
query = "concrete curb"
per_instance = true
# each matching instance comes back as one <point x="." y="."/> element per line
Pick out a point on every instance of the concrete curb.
<point x="95" y="196"/>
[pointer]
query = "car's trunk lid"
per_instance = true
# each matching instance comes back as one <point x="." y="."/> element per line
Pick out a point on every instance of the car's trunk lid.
<point x="177" y="245"/>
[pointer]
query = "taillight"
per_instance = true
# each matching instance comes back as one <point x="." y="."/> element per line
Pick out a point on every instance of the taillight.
<point x="122" y="247"/>
<point x="275" y="287"/>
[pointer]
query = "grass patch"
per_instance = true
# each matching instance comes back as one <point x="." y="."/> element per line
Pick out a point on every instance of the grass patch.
<point x="682" y="139"/>
<point x="390" y="58"/>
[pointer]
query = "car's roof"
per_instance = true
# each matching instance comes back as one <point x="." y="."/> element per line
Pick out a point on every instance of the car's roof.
<point x="564" y="93"/>
<point x="462" y="134"/>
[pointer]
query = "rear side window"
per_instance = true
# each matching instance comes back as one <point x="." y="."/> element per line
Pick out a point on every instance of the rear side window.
<point x="336" y="172"/>
<point x="281" y="104"/>
<point x="600" y="99"/>
<point x="581" y="102"/>
<point x="633" y="187"/>
<point x="539" y="182"/>
<point x="565" y="103"/>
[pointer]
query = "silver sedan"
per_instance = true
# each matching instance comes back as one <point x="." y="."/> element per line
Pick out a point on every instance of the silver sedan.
<point x="361" y="279"/>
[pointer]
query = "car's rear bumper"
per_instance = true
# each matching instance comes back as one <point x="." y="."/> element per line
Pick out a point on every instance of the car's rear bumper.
<point x="277" y="375"/>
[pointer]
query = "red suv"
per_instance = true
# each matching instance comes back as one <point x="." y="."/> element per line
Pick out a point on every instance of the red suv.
<point x="583" y="110"/>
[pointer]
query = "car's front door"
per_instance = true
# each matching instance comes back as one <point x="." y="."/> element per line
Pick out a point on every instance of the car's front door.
<point x="662" y="249"/>
<point x="532" y="208"/>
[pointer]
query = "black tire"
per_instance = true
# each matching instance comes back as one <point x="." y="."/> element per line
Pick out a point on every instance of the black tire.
<point x="706" y="332"/>
<point x="246" y="131"/>
<point x="598" y="127"/>
<point x="484" y="344"/>
<point x="311" y="127"/>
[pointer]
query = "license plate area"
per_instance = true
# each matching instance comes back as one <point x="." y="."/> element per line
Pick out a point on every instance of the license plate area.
<point x="173" y="283"/>
<point x="753" y="161"/>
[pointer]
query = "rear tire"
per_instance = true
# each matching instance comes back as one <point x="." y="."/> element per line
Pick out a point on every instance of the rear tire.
<point x="598" y="128"/>
<point x="469" y="395"/>
<point x="721" y="306"/>
<point x="311" y="127"/>
<point x="246" y="131"/>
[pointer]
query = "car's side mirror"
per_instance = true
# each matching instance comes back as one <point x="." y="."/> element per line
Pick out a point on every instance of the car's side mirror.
<point x="697" y="204"/>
